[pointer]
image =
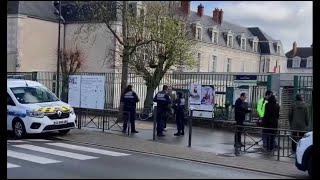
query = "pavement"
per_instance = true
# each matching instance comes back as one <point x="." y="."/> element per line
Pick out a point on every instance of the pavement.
<point x="210" y="146"/>
<point x="54" y="159"/>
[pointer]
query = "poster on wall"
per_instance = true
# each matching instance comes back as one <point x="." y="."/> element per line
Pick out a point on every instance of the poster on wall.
<point x="87" y="91"/>
<point x="202" y="97"/>
<point x="92" y="92"/>
<point x="74" y="90"/>
<point x="207" y="98"/>
<point x="195" y="94"/>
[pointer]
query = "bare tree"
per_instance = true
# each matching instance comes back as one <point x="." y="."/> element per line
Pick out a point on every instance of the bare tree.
<point x="72" y="61"/>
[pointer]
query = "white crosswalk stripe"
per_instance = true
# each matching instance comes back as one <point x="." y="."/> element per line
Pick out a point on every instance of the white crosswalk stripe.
<point x="87" y="149"/>
<point x="29" y="157"/>
<point x="38" y="140"/>
<point x="36" y="158"/>
<point x="9" y="165"/>
<point x="15" y="141"/>
<point x="55" y="152"/>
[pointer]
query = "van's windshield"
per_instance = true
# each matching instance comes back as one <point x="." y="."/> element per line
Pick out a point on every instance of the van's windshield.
<point x="35" y="94"/>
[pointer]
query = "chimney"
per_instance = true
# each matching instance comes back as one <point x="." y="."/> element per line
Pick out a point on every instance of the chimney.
<point x="185" y="7"/>
<point x="200" y="10"/>
<point x="220" y="16"/>
<point x="216" y="15"/>
<point x="294" y="49"/>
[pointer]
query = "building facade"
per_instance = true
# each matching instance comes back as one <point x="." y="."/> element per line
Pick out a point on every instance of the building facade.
<point x="300" y="59"/>
<point x="221" y="46"/>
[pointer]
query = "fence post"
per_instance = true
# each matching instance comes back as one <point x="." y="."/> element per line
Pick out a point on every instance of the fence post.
<point x="295" y="85"/>
<point x="190" y="128"/>
<point x="79" y="118"/>
<point x="236" y="150"/>
<point x="154" y="122"/>
<point x="103" y="120"/>
<point x="279" y="145"/>
<point x="34" y="76"/>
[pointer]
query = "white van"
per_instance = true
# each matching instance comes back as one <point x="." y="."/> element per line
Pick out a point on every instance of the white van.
<point x="33" y="108"/>
<point x="304" y="153"/>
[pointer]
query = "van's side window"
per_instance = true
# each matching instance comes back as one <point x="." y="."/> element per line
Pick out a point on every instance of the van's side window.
<point x="10" y="101"/>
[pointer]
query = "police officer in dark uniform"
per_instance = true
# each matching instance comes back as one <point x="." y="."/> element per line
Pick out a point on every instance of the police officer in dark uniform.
<point x="163" y="100"/>
<point x="129" y="98"/>
<point x="179" y="106"/>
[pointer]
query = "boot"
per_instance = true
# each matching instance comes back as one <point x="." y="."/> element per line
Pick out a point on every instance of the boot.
<point x="182" y="133"/>
<point x="177" y="134"/>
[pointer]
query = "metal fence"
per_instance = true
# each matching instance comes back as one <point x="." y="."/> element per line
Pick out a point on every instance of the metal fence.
<point x="182" y="81"/>
<point x="285" y="141"/>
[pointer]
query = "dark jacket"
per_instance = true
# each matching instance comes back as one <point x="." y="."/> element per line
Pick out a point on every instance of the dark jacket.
<point x="299" y="116"/>
<point x="129" y="100"/>
<point x="240" y="110"/>
<point x="163" y="101"/>
<point x="271" y="115"/>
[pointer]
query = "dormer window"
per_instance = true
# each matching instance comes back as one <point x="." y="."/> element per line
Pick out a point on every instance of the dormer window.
<point x="243" y="43"/>
<point x="278" y="49"/>
<point x="215" y="34"/>
<point x="230" y="40"/>
<point x="255" y="46"/>
<point x="199" y="34"/>
<point x="215" y="37"/>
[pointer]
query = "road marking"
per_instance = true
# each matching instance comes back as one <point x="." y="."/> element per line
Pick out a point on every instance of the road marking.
<point x="87" y="149"/>
<point x="29" y="157"/>
<point x="9" y="165"/>
<point x="38" y="140"/>
<point x="15" y="141"/>
<point x="55" y="152"/>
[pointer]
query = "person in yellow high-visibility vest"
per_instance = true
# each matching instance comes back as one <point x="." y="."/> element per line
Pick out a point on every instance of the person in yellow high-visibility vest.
<point x="261" y="109"/>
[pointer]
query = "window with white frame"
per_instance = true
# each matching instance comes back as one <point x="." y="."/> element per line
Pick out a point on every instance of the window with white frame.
<point x="229" y="41"/>
<point x="267" y="65"/>
<point x="199" y="33"/>
<point x="278" y="49"/>
<point x="243" y="43"/>
<point x="215" y="37"/>
<point x="296" y="62"/>
<point x="309" y="62"/>
<point x="228" y="65"/>
<point x="214" y="63"/>
<point x="255" y="46"/>
<point x="199" y="60"/>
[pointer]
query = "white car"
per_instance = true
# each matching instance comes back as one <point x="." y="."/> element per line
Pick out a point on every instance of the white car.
<point x="304" y="153"/>
<point x="32" y="108"/>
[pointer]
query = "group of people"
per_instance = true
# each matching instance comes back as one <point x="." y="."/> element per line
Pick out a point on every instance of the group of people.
<point x="167" y="106"/>
<point x="269" y="112"/>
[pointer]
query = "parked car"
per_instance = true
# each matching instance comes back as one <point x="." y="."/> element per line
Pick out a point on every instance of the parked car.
<point x="304" y="153"/>
<point x="33" y="108"/>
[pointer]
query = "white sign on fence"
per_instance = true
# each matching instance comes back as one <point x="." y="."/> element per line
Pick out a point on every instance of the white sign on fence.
<point x="87" y="92"/>
<point x="74" y="90"/>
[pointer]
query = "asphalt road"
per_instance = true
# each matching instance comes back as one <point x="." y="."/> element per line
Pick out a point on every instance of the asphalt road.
<point x="39" y="158"/>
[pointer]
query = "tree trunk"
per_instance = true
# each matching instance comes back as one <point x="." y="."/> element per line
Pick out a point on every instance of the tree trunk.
<point x="149" y="97"/>
<point x="125" y="58"/>
<point x="65" y="88"/>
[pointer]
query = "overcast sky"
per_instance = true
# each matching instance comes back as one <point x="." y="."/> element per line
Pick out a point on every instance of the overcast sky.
<point x="287" y="21"/>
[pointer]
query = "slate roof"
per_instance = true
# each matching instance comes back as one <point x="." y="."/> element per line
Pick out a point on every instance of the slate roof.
<point x="266" y="44"/>
<point x="37" y="9"/>
<point x="303" y="52"/>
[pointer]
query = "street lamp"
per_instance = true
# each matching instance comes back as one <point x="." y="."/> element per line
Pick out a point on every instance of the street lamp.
<point x="57" y="5"/>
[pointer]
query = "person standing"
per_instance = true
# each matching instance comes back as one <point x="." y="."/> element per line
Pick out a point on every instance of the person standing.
<point x="170" y="114"/>
<point x="241" y="109"/>
<point x="298" y="119"/>
<point x="179" y="106"/>
<point x="163" y="100"/>
<point x="270" y="120"/>
<point x="261" y="110"/>
<point x="130" y="99"/>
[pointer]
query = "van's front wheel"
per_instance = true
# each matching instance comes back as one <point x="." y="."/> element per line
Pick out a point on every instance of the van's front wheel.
<point x="18" y="129"/>
<point x="64" y="131"/>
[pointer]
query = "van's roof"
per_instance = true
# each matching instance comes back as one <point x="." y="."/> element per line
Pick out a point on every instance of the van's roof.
<point x="21" y="83"/>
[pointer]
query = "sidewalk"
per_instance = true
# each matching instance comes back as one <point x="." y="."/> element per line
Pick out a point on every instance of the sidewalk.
<point x="219" y="151"/>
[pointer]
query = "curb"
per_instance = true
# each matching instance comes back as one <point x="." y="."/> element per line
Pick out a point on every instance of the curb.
<point x="186" y="159"/>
